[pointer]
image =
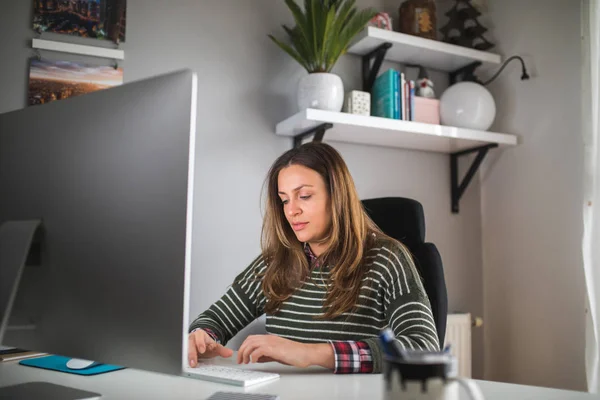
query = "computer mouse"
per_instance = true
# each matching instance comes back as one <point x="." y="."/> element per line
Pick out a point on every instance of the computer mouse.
<point x="77" y="363"/>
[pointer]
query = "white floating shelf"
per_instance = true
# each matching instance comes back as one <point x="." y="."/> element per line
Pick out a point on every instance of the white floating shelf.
<point x="416" y="50"/>
<point x="386" y="132"/>
<point x="78" y="49"/>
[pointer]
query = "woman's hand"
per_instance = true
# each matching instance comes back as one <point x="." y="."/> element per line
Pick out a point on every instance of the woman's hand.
<point x="201" y="345"/>
<point x="265" y="348"/>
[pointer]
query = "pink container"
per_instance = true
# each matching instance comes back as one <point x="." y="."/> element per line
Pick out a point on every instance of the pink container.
<point x="427" y="110"/>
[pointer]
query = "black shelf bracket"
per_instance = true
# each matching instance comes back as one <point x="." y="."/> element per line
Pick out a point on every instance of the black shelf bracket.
<point x="466" y="73"/>
<point x="457" y="190"/>
<point x="369" y="73"/>
<point x="319" y="132"/>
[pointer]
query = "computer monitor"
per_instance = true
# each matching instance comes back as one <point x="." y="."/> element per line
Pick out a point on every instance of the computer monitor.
<point x="110" y="176"/>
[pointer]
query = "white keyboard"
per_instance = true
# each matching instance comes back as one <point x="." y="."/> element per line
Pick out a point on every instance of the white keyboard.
<point x="231" y="376"/>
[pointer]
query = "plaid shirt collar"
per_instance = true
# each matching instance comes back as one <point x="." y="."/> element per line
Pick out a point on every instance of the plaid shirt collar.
<point x="312" y="259"/>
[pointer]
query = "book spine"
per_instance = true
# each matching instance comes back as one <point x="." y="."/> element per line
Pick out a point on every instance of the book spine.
<point x="396" y="98"/>
<point x="412" y="100"/>
<point x="407" y="97"/>
<point x="383" y="95"/>
<point x="403" y="85"/>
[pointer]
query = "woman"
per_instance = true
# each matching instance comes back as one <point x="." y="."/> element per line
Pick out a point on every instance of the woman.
<point x="328" y="279"/>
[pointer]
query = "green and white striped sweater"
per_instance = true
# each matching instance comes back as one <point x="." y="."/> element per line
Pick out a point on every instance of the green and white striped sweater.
<point x="392" y="294"/>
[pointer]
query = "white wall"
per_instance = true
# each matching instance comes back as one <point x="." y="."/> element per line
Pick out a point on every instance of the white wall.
<point x="531" y="201"/>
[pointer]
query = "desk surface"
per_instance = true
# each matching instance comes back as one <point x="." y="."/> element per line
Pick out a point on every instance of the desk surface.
<point x="311" y="383"/>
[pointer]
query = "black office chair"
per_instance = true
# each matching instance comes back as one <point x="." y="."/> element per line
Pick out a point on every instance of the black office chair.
<point x="403" y="219"/>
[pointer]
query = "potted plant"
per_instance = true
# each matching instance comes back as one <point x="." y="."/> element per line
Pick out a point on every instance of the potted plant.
<point x="323" y="31"/>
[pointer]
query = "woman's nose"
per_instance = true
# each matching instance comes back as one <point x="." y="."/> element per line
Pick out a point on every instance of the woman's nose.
<point x="293" y="208"/>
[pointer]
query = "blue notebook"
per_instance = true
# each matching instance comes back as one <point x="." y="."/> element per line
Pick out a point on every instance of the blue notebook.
<point x="59" y="363"/>
<point x="385" y="95"/>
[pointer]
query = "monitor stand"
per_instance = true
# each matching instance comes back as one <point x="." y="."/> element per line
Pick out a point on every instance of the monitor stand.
<point x="20" y="245"/>
<point x="16" y="250"/>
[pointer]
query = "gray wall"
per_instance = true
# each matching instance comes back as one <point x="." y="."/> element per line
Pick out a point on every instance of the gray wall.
<point x="246" y="86"/>
<point x="532" y="201"/>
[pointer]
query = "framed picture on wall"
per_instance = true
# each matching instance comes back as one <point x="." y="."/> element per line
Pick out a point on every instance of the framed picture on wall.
<point x="98" y="19"/>
<point x="56" y="80"/>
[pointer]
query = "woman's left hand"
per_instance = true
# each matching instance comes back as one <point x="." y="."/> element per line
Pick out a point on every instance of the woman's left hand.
<point x="265" y="348"/>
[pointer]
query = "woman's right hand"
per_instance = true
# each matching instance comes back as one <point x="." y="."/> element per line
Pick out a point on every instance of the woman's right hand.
<point x="201" y="345"/>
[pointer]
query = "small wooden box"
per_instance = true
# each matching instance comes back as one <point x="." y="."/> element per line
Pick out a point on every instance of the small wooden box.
<point x="427" y="110"/>
<point x="418" y="18"/>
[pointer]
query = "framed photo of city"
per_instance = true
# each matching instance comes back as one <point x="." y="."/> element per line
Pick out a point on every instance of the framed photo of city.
<point x="57" y="80"/>
<point x="98" y="19"/>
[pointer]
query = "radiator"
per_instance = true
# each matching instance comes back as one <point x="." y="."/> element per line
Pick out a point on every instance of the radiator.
<point x="458" y="336"/>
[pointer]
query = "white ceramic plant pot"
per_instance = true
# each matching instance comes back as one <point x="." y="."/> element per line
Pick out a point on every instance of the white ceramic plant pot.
<point x="321" y="90"/>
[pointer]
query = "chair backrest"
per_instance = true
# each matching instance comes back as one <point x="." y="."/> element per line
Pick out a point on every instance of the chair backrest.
<point x="404" y="220"/>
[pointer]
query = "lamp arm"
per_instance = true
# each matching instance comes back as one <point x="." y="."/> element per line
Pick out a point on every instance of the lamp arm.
<point x="524" y="74"/>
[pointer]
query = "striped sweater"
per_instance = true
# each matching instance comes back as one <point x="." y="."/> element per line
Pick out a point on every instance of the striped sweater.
<point x="391" y="294"/>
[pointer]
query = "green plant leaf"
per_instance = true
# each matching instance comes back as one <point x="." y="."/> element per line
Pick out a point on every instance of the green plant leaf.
<point x="299" y="18"/>
<point x="328" y="36"/>
<point x="293" y="53"/>
<point x="321" y="27"/>
<point x="335" y="47"/>
<point x="313" y="7"/>
<point x="354" y="26"/>
<point x="299" y="45"/>
<point x="348" y="25"/>
<point x="345" y="12"/>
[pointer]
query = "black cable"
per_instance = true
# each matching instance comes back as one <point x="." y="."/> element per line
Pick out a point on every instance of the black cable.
<point x="524" y="74"/>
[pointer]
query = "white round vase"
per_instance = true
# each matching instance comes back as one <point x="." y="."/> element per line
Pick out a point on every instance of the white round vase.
<point x="321" y="90"/>
<point x="467" y="105"/>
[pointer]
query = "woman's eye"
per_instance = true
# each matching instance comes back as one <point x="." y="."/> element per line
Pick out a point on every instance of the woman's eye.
<point x="305" y="197"/>
<point x="284" y="202"/>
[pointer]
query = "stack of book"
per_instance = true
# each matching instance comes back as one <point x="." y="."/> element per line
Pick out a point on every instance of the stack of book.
<point x="13" y="353"/>
<point x="393" y="96"/>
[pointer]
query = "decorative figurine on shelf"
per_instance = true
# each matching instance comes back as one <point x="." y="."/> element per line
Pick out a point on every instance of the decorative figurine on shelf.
<point x="381" y="20"/>
<point x="418" y="17"/>
<point x="463" y="29"/>
<point x="425" y="88"/>
<point x="358" y="102"/>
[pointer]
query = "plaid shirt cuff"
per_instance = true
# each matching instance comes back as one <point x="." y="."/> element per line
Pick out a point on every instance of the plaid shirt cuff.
<point x="210" y="333"/>
<point x="352" y="357"/>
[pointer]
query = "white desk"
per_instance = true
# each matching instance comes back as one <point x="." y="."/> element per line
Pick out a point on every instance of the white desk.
<point x="311" y="383"/>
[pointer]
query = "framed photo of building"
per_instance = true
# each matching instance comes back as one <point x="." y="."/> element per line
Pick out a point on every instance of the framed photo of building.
<point x="98" y="19"/>
<point x="57" y="80"/>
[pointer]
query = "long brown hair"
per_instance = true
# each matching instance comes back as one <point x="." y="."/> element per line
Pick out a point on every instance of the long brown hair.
<point x="351" y="235"/>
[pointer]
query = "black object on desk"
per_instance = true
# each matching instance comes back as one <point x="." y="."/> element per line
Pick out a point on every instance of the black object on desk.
<point x="45" y="391"/>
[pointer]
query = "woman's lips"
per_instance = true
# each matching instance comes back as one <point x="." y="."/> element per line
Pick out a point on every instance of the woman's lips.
<point x="299" y="226"/>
